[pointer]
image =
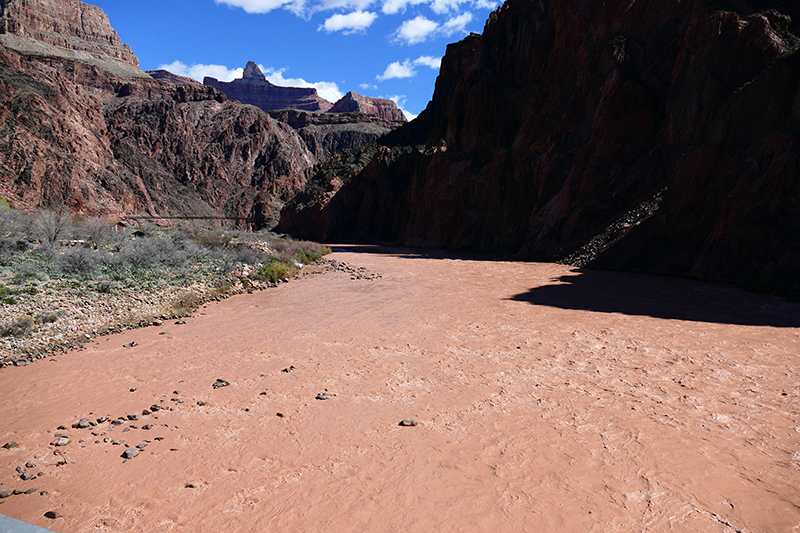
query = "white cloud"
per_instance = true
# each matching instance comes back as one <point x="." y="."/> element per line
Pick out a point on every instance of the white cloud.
<point x="198" y="71"/>
<point x="350" y="23"/>
<point x="440" y="7"/>
<point x="367" y="86"/>
<point x="400" y="101"/>
<point x="416" y="30"/>
<point x="398" y="70"/>
<point x="406" y="68"/>
<point x="393" y="7"/>
<point x="327" y="89"/>
<point x="457" y="24"/>
<point x="261" y="6"/>
<point x="428" y="61"/>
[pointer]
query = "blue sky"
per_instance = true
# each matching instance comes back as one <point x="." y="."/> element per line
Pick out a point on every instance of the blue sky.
<point x="379" y="48"/>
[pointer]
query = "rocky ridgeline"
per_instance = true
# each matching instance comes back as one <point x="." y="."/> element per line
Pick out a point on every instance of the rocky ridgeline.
<point x="566" y="115"/>
<point x="253" y="88"/>
<point x="82" y="128"/>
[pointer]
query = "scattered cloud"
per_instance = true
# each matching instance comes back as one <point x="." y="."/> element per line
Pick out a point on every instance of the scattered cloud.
<point x="327" y="89"/>
<point x="199" y="71"/>
<point x="457" y="24"/>
<point x="416" y="30"/>
<point x="368" y="86"/>
<point x="428" y="61"/>
<point x="398" y="70"/>
<point x="400" y="101"/>
<point x="406" y="68"/>
<point x="393" y="7"/>
<point x="357" y="21"/>
<point x="261" y="6"/>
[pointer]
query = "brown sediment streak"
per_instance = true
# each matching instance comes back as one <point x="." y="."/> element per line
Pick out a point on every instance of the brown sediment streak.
<point x="544" y="398"/>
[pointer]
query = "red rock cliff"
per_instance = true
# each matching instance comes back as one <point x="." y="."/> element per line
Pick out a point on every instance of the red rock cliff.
<point x="357" y="103"/>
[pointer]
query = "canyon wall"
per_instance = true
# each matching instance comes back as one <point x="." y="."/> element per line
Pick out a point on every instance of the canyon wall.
<point x="564" y="117"/>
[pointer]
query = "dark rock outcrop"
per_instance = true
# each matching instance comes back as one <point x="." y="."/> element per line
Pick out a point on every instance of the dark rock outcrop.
<point x="326" y="134"/>
<point x="565" y="116"/>
<point x="254" y="89"/>
<point x="357" y="103"/>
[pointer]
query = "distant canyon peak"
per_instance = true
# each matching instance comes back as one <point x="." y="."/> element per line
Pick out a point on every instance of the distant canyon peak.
<point x="253" y="88"/>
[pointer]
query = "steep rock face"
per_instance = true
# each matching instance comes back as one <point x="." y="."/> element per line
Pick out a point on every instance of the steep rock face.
<point x="67" y="29"/>
<point x="86" y="136"/>
<point x="254" y="89"/>
<point x="565" y="115"/>
<point x="169" y="77"/>
<point x="326" y="134"/>
<point x="357" y="103"/>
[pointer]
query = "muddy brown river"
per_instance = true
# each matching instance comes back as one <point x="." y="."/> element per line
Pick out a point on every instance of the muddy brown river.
<point x="545" y="399"/>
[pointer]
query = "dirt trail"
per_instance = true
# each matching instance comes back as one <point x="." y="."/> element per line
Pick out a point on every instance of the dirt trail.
<point x="593" y="402"/>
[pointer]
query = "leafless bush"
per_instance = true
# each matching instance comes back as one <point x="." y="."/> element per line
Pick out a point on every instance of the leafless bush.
<point x="77" y="261"/>
<point x="50" y="226"/>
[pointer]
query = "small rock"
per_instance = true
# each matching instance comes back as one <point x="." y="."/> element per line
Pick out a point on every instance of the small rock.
<point x="220" y="383"/>
<point x="180" y="322"/>
<point x="189" y="486"/>
<point x="26" y="476"/>
<point x="130" y="453"/>
<point x="9" y="445"/>
<point x="118" y="421"/>
<point x="159" y="439"/>
<point x="118" y="442"/>
<point x="201" y="403"/>
<point x="102" y="419"/>
<point x="4" y="493"/>
<point x="52" y="515"/>
<point x="126" y="430"/>
<point x="321" y="396"/>
<point x="60" y="441"/>
<point x="44" y="493"/>
<point x="133" y="417"/>
<point x="83" y="423"/>
<point x="130" y="344"/>
<point x="147" y="426"/>
<point x="33" y="490"/>
<point x="19" y="470"/>
<point x="288" y="369"/>
<point x="132" y="389"/>
<point x="142" y="446"/>
<point x="281" y="415"/>
<point x="176" y="392"/>
<point x="62" y="427"/>
<point x="145" y="412"/>
<point x="107" y="439"/>
<point x="17" y="492"/>
<point x="158" y="322"/>
<point x="263" y="393"/>
<point x="155" y="408"/>
<point x="30" y="465"/>
<point x="408" y="422"/>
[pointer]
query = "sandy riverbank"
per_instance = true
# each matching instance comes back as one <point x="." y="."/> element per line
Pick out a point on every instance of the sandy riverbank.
<point x="604" y="402"/>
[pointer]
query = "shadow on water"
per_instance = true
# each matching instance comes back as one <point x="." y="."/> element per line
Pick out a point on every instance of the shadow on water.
<point x="663" y="297"/>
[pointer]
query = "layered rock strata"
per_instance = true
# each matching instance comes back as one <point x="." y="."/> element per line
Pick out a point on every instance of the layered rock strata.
<point x="357" y="103"/>
<point x="566" y="115"/>
<point x="326" y="134"/>
<point x="254" y="89"/>
<point x="169" y="77"/>
<point x="67" y="29"/>
<point x="77" y="136"/>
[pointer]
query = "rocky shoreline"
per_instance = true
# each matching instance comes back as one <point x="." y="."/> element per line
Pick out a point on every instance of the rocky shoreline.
<point x="83" y="316"/>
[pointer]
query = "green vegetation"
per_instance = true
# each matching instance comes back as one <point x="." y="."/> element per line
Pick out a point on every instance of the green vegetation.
<point x="45" y="254"/>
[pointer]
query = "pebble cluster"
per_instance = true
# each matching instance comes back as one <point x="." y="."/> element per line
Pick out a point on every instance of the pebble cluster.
<point x="356" y="273"/>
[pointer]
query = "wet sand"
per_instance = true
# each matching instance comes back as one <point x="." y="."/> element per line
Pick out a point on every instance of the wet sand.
<point x="546" y="399"/>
